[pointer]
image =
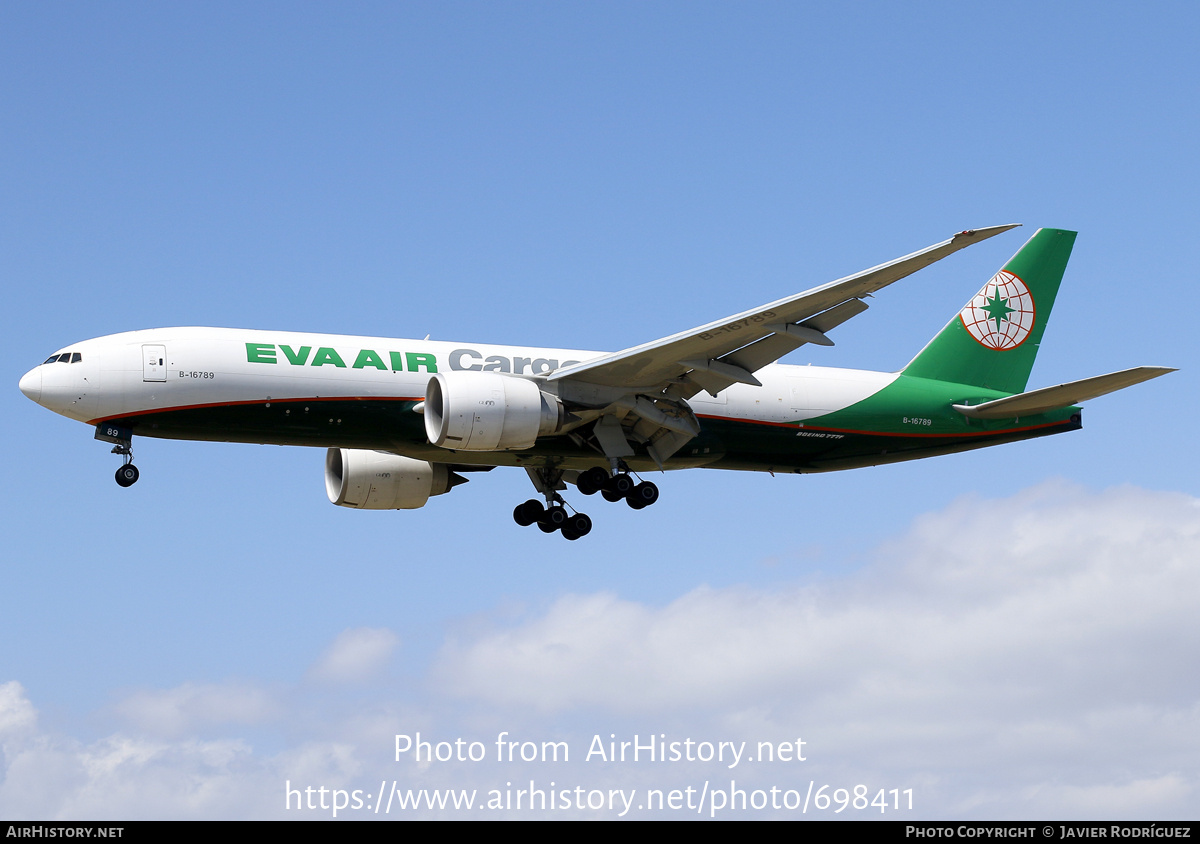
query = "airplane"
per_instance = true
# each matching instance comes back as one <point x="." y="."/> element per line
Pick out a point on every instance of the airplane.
<point x="405" y="420"/>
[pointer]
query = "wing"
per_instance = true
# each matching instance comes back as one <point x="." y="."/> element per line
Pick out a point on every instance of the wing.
<point x="714" y="356"/>
<point x="639" y="395"/>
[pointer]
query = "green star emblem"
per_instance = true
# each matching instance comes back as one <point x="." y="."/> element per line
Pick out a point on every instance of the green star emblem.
<point x="997" y="309"/>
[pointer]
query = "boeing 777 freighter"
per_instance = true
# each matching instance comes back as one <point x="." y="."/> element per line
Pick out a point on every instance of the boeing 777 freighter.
<point x="404" y="420"/>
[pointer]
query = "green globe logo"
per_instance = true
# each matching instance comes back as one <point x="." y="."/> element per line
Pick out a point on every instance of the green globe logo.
<point x="1001" y="315"/>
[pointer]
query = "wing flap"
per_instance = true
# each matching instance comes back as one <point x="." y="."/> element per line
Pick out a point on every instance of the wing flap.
<point x="790" y="336"/>
<point x="1064" y="395"/>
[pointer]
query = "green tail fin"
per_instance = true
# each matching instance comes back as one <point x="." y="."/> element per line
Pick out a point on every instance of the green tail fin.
<point x="993" y="341"/>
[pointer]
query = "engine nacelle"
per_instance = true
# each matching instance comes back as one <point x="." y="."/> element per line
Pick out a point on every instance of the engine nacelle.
<point x="485" y="411"/>
<point x="377" y="480"/>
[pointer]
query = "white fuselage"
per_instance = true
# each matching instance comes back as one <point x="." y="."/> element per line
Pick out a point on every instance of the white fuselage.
<point x="176" y="368"/>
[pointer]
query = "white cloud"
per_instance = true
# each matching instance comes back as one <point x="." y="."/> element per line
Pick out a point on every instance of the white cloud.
<point x="1092" y="592"/>
<point x="16" y="712"/>
<point x="1024" y="658"/>
<point x="1161" y="794"/>
<point x="355" y="655"/>
<point x="51" y="776"/>
<point x="191" y="707"/>
<point x="1050" y="634"/>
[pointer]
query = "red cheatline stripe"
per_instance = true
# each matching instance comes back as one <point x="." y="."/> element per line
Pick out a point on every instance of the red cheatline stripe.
<point x="882" y="433"/>
<point x="150" y="410"/>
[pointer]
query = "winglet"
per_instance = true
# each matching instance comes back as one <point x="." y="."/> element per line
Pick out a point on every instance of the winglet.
<point x="984" y="233"/>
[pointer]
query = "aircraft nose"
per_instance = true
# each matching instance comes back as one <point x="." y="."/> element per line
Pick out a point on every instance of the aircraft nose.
<point x="31" y="384"/>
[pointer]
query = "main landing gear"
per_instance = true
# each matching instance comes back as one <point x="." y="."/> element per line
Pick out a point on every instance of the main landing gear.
<point x="554" y="516"/>
<point x="618" y="486"/>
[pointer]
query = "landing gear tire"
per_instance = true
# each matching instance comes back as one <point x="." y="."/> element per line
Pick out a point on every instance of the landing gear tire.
<point x="527" y="513"/>
<point x="619" y="485"/>
<point x="592" y="481"/>
<point x="552" y="519"/>
<point x="127" y="475"/>
<point x="554" y="516"/>
<point x="642" y="495"/>
<point x="577" y="526"/>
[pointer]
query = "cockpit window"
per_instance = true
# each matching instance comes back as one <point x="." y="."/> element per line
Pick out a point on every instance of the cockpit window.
<point x="65" y="357"/>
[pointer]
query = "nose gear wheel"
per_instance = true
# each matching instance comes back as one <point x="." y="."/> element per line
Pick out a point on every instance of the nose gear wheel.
<point x="127" y="475"/>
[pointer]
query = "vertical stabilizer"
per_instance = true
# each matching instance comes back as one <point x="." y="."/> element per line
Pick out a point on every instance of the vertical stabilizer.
<point x="993" y="341"/>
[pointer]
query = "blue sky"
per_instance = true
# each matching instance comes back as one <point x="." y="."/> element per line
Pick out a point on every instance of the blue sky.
<point x="593" y="176"/>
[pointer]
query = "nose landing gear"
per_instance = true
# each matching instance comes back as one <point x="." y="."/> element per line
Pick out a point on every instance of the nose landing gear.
<point x="128" y="474"/>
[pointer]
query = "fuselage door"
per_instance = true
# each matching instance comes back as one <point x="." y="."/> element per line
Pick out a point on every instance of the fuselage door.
<point x="154" y="363"/>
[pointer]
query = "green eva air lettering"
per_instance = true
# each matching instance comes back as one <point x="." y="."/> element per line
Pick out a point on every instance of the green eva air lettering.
<point x="296" y="358"/>
<point x="369" y="358"/>
<point x="260" y="353"/>
<point x="326" y="355"/>
<point x="416" y="360"/>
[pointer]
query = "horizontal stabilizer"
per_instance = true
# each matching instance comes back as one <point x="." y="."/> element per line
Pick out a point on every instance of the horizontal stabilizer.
<point x="1064" y="395"/>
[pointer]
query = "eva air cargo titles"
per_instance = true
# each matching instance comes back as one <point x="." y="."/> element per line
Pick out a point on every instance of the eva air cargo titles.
<point x="460" y="360"/>
<point x="405" y="420"/>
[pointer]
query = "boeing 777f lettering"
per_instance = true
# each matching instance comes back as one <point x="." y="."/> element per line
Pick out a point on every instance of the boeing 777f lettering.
<point x="404" y="420"/>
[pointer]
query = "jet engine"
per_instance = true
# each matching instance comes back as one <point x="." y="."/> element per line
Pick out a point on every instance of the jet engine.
<point x="378" y="480"/>
<point x="485" y="411"/>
